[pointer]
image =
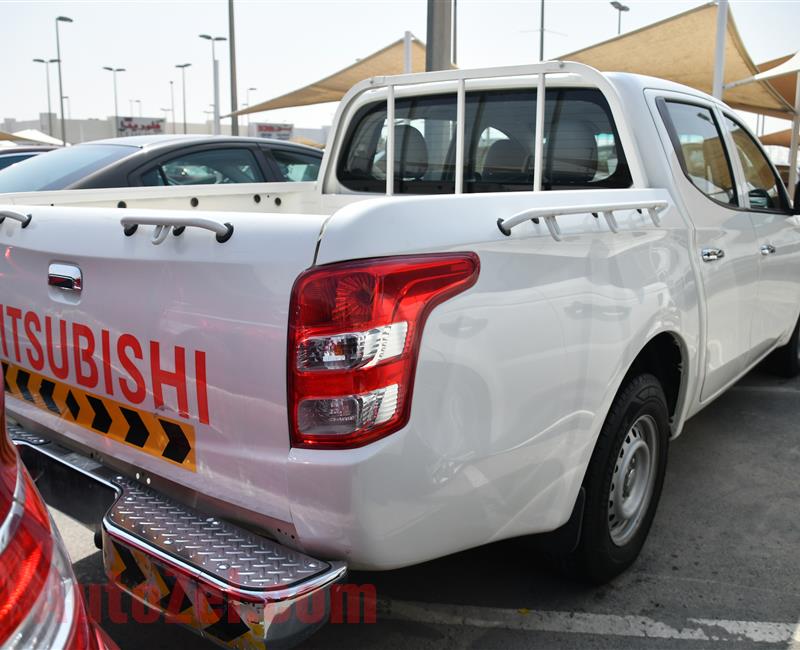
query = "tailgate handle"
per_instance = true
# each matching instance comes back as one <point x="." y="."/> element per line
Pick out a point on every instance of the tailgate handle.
<point x="65" y="276"/>
<point x="24" y="219"/>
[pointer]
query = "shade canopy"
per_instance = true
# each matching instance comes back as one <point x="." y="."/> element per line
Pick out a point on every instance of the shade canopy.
<point x="388" y="61"/>
<point x="10" y="137"/>
<point x="779" y="138"/>
<point x="36" y="136"/>
<point x="681" y="49"/>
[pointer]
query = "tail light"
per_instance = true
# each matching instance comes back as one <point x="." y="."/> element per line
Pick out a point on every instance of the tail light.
<point x="354" y="334"/>
<point x="40" y="603"/>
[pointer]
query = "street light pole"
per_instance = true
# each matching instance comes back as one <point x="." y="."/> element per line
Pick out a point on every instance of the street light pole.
<point x="215" y="69"/>
<point x="114" y="72"/>
<point x="61" y="19"/>
<point x="248" y="104"/>
<point x="172" y="103"/>
<point x="232" y="42"/>
<point x="541" y="31"/>
<point x="620" y="8"/>
<point x="183" y="67"/>
<point x="47" y="63"/>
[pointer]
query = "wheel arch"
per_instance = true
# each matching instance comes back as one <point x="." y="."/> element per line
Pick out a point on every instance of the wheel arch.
<point x="665" y="356"/>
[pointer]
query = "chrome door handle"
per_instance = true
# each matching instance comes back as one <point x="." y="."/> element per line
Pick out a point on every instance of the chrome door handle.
<point x="65" y="276"/>
<point x="767" y="249"/>
<point x="712" y="254"/>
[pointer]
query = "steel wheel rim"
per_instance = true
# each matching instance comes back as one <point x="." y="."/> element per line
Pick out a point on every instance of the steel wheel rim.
<point x="633" y="480"/>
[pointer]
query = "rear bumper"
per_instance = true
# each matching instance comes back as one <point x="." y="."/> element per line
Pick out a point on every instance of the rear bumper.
<point x="233" y="587"/>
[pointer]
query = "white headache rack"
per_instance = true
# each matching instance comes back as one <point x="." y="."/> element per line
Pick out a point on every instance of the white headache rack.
<point x="653" y="208"/>
<point x="460" y="81"/>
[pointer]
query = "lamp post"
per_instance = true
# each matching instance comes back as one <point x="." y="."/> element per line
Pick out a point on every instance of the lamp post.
<point x="620" y="8"/>
<point x="47" y="63"/>
<point x="183" y="67"/>
<point x="232" y="38"/>
<point x="248" y="105"/>
<point x="61" y="19"/>
<point x="114" y="72"/>
<point x="215" y="68"/>
<point x="172" y="103"/>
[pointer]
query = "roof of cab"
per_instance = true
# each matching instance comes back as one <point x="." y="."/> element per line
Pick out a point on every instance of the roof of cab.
<point x="163" y="140"/>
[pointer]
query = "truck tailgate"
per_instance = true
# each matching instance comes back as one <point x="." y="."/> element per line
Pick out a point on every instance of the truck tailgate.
<point x="172" y="357"/>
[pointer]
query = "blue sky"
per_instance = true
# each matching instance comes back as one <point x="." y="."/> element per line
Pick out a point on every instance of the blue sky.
<point x="282" y="45"/>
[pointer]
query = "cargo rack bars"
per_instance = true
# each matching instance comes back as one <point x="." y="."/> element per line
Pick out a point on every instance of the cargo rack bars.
<point x="583" y="73"/>
<point x="607" y="210"/>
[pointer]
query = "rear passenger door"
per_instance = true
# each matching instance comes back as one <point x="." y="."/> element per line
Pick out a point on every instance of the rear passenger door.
<point x="725" y="240"/>
<point x="778" y="240"/>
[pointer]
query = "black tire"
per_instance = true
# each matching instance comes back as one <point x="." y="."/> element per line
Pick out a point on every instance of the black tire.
<point x="640" y="401"/>
<point x="785" y="361"/>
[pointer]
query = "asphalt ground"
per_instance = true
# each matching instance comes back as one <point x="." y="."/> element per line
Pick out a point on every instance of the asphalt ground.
<point x="720" y="567"/>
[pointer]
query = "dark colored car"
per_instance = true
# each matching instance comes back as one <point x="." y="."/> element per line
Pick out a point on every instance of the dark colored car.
<point x="12" y="155"/>
<point x="41" y="605"/>
<point x="164" y="160"/>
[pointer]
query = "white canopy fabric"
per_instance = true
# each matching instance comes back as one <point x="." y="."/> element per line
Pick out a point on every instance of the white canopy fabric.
<point x="681" y="49"/>
<point x="387" y="61"/>
<point x="10" y="137"/>
<point x="34" y="135"/>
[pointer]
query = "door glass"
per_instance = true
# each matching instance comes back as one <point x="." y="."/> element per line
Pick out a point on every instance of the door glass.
<point x="763" y="188"/>
<point x="209" y="167"/>
<point x="296" y="165"/>
<point x="701" y="151"/>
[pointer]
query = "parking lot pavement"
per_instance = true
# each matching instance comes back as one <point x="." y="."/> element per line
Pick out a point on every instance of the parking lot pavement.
<point x="720" y="566"/>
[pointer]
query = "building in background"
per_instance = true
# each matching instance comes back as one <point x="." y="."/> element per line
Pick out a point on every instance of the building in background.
<point x="98" y="129"/>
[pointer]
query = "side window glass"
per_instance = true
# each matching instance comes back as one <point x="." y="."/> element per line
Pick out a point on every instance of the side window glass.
<point x="296" y="165"/>
<point x="209" y="167"/>
<point x="763" y="188"/>
<point x="699" y="145"/>
<point x="153" y="177"/>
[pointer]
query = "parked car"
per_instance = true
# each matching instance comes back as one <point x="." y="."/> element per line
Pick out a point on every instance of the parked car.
<point x="164" y="160"/>
<point x="13" y="155"/>
<point x="41" y="603"/>
<point x="478" y="324"/>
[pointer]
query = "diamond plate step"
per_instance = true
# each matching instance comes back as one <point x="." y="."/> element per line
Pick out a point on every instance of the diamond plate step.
<point x="232" y="554"/>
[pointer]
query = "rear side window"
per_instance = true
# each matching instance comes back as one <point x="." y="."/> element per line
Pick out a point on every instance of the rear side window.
<point x="581" y="147"/>
<point x="296" y="165"/>
<point x="698" y="142"/>
<point x="764" y="191"/>
<point x="209" y="167"/>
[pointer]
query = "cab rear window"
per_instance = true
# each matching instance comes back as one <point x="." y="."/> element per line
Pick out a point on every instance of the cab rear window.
<point x="581" y="146"/>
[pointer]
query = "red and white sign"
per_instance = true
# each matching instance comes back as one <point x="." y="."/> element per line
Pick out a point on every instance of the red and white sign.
<point x="141" y="126"/>
<point x="278" y="131"/>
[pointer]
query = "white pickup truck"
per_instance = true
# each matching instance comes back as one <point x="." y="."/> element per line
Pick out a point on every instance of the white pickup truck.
<point x="486" y="319"/>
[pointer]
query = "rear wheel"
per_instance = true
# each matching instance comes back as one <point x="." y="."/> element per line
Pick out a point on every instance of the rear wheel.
<point x="624" y="480"/>
<point x="785" y="361"/>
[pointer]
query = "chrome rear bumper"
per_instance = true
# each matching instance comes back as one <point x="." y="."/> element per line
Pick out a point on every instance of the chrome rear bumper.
<point x="234" y="587"/>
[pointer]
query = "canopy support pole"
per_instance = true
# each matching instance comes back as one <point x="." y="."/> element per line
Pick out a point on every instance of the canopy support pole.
<point x="719" y="50"/>
<point x="794" y="143"/>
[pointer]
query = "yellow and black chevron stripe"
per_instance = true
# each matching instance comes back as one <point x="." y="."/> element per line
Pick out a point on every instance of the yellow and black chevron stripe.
<point x="229" y="622"/>
<point x="153" y="434"/>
